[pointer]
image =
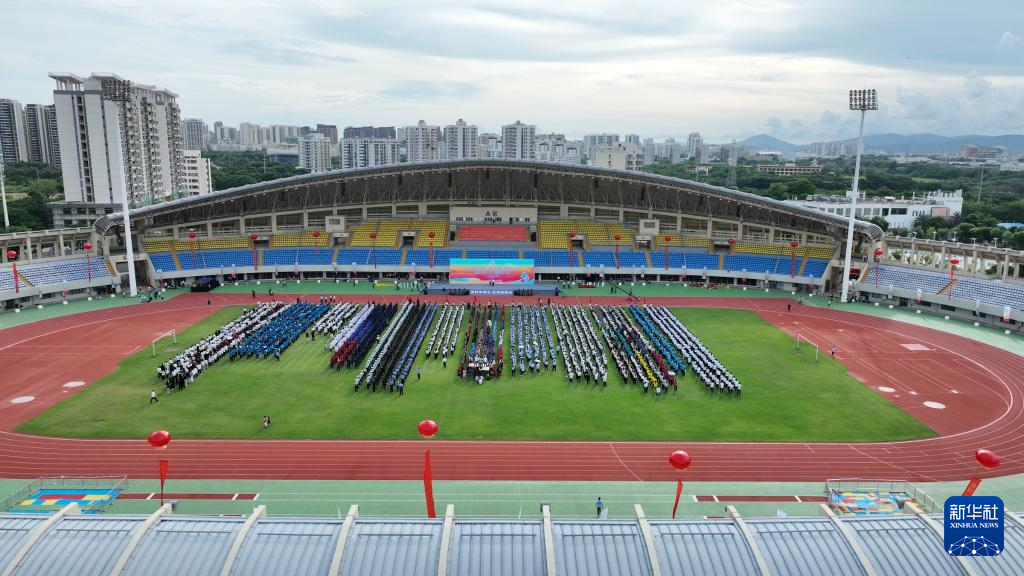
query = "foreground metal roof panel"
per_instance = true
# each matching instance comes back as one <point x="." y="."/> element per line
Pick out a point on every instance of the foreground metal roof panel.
<point x="702" y="547"/>
<point x="184" y="545"/>
<point x="497" y="548"/>
<point x="399" y="547"/>
<point x="903" y="545"/>
<point x="599" y="548"/>
<point x="80" y="546"/>
<point x="14" y="530"/>
<point x="808" y="546"/>
<point x="297" y="547"/>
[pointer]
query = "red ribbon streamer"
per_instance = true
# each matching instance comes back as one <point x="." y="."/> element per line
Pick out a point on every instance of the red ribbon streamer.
<point x="972" y="486"/>
<point x="163" y="478"/>
<point x="428" y="487"/>
<point x="679" y="490"/>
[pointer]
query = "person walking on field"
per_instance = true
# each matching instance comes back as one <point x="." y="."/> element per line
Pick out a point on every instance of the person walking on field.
<point x="266" y="421"/>
<point x="600" y="506"/>
<point x="418" y="371"/>
<point x="834" y="350"/>
<point x="152" y="396"/>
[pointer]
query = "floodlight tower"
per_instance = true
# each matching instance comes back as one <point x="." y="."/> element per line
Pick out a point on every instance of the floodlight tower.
<point x="730" y="181"/>
<point x="862" y="101"/>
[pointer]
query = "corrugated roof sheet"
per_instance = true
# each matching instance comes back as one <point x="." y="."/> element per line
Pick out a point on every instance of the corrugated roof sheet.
<point x="711" y="547"/>
<point x="13" y="532"/>
<point x="79" y="546"/>
<point x="903" y="545"/>
<point x="182" y="545"/>
<point x="808" y="546"/>
<point x="1009" y="564"/>
<point x="599" y="548"/>
<point x="403" y="547"/>
<point x="497" y="548"/>
<point x="297" y="547"/>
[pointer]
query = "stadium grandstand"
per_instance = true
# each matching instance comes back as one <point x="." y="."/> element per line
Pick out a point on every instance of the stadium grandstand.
<point x="573" y="221"/>
<point x="165" y="543"/>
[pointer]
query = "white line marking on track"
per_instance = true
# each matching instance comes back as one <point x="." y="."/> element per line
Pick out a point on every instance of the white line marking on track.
<point x="612" y="446"/>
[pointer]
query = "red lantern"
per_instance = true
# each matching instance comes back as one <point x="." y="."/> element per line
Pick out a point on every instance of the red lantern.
<point x="987" y="458"/>
<point x="427" y="428"/>
<point x="255" y="260"/>
<point x="679" y="460"/>
<point x="159" y="439"/>
<point x="617" y="238"/>
<point x="88" y="263"/>
<point x="373" y="244"/>
<point x="192" y="245"/>
<point x="572" y="235"/>
<point x="11" y="256"/>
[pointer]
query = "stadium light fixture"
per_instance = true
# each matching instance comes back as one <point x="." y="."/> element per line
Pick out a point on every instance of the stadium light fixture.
<point x="861" y="101"/>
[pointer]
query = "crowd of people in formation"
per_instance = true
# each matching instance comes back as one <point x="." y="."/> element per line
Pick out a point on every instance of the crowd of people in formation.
<point x="180" y="371"/>
<point x="529" y="337"/>
<point x="274" y="337"/>
<point x="446" y="332"/>
<point x="391" y="359"/>
<point x="582" y="353"/>
<point x="353" y="342"/>
<point x="636" y="358"/>
<point x="667" y="356"/>
<point x="456" y="291"/>
<point x="704" y="364"/>
<point x="523" y="292"/>
<point x="482" y="350"/>
<point x="332" y="322"/>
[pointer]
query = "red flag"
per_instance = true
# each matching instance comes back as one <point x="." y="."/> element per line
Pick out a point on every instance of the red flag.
<point x="428" y="487"/>
<point x="163" y="478"/>
<point x="679" y="490"/>
<point x="972" y="486"/>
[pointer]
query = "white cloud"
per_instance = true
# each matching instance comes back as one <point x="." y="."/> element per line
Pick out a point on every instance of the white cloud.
<point x="1009" y="40"/>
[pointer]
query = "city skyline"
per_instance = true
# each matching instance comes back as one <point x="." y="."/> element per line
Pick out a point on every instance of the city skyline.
<point x="729" y="70"/>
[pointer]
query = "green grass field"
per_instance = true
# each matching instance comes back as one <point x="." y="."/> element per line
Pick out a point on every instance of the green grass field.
<point x="787" y="397"/>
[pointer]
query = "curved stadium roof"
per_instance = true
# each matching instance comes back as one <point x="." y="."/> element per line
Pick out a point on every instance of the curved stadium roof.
<point x="491" y="182"/>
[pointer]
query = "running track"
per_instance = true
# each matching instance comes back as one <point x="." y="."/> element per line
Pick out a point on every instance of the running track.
<point x="982" y="388"/>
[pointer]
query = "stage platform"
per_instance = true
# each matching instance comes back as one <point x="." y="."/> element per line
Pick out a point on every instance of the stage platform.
<point x="496" y="290"/>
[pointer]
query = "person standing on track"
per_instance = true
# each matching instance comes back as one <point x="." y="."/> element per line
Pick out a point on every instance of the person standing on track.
<point x="834" y="350"/>
<point x="600" y="506"/>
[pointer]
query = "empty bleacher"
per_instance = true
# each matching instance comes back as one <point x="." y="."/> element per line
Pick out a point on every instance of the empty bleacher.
<point x="911" y="279"/>
<point x="688" y="260"/>
<point x="57" y="271"/>
<point x="162" y="261"/>
<point x="388" y="232"/>
<point x="479" y="233"/>
<point x="214" y="259"/>
<point x="997" y="293"/>
<point x="683" y="241"/>
<point x="299" y="239"/>
<point x="548" y="258"/>
<point x="552" y="234"/>
<point x="606" y="259"/>
<point x="492" y="254"/>
<point x="421" y="257"/>
<point x="312" y="256"/>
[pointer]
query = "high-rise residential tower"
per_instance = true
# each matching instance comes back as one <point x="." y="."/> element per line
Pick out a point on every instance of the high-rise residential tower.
<point x="518" y="141"/>
<point x="461" y="141"/>
<point x="423" y="142"/>
<point x="117" y="139"/>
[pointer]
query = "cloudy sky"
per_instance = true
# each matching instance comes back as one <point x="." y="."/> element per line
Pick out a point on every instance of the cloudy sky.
<point x="729" y="69"/>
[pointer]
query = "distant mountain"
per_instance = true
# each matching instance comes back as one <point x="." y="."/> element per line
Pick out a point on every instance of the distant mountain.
<point x="935" y="144"/>
<point x="766" y="143"/>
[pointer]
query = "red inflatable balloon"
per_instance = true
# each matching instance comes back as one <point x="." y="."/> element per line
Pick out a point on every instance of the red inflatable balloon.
<point x="431" y="234"/>
<point x="618" y="237"/>
<point x="316" y="233"/>
<point x="572" y="234"/>
<point x="879" y="251"/>
<point x="159" y="439"/>
<point x="87" y="246"/>
<point x="794" y="243"/>
<point x="668" y="238"/>
<point x="427" y="428"/>
<point x="191" y="234"/>
<point x="732" y="240"/>
<point x="679" y="460"/>
<point x="253" y="237"/>
<point x="987" y="458"/>
<point x="11" y="254"/>
<point x="954" y="261"/>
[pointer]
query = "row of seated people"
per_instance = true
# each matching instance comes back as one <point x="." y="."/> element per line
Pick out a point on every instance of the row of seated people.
<point x="181" y="370"/>
<point x="54" y="271"/>
<point x="446" y="332"/>
<point x="354" y="341"/>
<point x="530" y="345"/>
<point x="581" y="350"/>
<point x="274" y="337"/>
<point x="388" y="363"/>
<point x="711" y="372"/>
<point x="635" y="357"/>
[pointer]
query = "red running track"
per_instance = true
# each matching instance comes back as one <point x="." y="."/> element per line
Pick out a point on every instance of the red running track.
<point x="981" y="387"/>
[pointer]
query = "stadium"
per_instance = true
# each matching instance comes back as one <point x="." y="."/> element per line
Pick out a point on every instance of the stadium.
<point x="566" y="327"/>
